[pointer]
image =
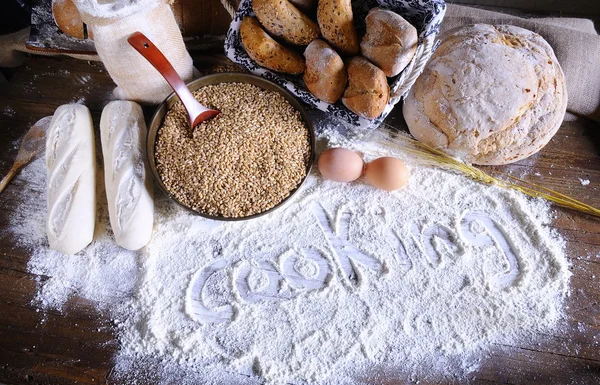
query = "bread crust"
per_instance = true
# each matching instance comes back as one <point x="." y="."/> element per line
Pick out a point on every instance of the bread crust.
<point x="282" y="19"/>
<point x="67" y="18"/>
<point x="489" y="95"/>
<point x="390" y="41"/>
<point x="368" y="92"/>
<point x="336" y="22"/>
<point x="265" y="51"/>
<point x="325" y="75"/>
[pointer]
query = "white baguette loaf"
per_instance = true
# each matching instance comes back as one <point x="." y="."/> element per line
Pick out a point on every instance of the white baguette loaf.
<point x="71" y="165"/>
<point x="128" y="185"/>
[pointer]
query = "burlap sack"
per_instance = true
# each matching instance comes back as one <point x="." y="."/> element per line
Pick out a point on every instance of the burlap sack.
<point x="575" y="42"/>
<point x="135" y="77"/>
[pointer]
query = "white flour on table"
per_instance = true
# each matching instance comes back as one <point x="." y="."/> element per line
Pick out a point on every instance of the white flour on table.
<point x="346" y="284"/>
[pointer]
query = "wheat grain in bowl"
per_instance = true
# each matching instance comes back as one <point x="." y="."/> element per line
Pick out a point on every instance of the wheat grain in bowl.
<point x="245" y="161"/>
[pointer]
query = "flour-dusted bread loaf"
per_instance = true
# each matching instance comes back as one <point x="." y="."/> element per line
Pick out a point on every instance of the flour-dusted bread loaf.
<point x="336" y="20"/>
<point x="282" y="19"/>
<point x="71" y="167"/>
<point x="127" y="179"/>
<point x="489" y="95"/>
<point x="368" y="92"/>
<point x="325" y="75"/>
<point x="267" y="52"/>
<point x="390" y="42"/>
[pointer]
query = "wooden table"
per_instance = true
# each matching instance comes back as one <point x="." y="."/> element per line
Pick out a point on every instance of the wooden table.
<point x="77" y="345"/>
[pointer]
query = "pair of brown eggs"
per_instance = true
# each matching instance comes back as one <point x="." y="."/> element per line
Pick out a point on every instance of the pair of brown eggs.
<point x="343" y="165"/>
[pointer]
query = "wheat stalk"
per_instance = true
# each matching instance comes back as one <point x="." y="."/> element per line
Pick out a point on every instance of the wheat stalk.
<point x="430" y="156"/>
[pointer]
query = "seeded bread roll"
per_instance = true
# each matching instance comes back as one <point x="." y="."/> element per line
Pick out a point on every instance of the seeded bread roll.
<point x="489" y="95"/>
<point x="390" y="42"/>
<point x="266" y="51"/>
<point x="368" y="92"/>
<point x="325" y="75"/>
<point x="282" y="19"/>
<point x="336" y="22"/>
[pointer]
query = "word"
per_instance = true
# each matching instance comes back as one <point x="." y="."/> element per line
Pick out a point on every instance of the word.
<point x="309" y="269"/>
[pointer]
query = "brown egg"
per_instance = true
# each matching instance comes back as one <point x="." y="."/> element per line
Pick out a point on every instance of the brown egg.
<point x="340" y="165"/>
<point x="387" y="173"/>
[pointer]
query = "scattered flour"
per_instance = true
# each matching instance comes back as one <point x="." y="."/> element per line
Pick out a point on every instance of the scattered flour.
<point x="584" y="182"/>
<point x="346" y="284"/>
<point x="8" y="111"/>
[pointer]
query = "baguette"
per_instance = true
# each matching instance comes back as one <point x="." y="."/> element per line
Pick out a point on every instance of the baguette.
<point x="129" y="190"/>
<point x="71" y="166"/>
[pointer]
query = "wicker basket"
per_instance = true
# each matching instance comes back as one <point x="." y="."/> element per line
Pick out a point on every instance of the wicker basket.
<point x="425" y="15"/>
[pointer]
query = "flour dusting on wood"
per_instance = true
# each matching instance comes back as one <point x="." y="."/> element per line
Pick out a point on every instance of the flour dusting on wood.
<point x="346" y="284"/>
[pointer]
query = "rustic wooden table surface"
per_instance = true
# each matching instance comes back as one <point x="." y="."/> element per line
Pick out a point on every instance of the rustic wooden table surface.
<point x="77" y="345"/>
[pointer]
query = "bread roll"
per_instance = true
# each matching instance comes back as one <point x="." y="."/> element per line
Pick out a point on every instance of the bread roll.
<point x="489" y="95"/>
<point x="67" y="18"/>
<point x="282" y="19"/>
<point x="267" y="52"/>
<point x="71" y="166"/>
<point x="336" y="23"/>
<point x="325" y="75"/>
<point x="390" y="42"/>
<point x="368" y="92"/>
<point x="129" y="189"/>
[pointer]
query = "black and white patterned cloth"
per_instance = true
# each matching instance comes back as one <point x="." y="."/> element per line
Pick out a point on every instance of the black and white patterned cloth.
<point x="425" y="15"/>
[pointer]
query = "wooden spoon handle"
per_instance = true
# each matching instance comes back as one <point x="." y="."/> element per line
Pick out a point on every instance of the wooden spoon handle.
<point x="8" y="177"/>
<point x="151" y="52"/>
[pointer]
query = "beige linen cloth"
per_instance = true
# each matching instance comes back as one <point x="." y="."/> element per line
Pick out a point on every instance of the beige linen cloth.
<point x="575" y="42"/>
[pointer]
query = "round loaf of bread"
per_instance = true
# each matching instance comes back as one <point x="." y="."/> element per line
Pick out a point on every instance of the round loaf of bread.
<point x="489" y="95"/>
<point x="325" y="75"/>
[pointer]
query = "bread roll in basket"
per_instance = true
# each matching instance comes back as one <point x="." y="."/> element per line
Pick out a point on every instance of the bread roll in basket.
<point x="425" y="15"/>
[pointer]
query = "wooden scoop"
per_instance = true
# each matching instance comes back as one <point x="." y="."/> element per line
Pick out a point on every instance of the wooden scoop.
<point x="197" y="113"/>
<point x="33" y="145"/>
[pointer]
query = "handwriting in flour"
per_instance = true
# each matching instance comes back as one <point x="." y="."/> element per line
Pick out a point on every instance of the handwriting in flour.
<point x="348" y="256"/>
<point x="400" y="253"/>
<point x="195" y="306"/>
<point x="437" y="241"/>
<point x="258" y="281"/>
<point x="309" y="268"/>
<point x="479" y="230"/>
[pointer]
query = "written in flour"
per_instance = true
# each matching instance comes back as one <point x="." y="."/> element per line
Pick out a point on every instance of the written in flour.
<point x="309" y="269"/>
<point x="344" y="283"/>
